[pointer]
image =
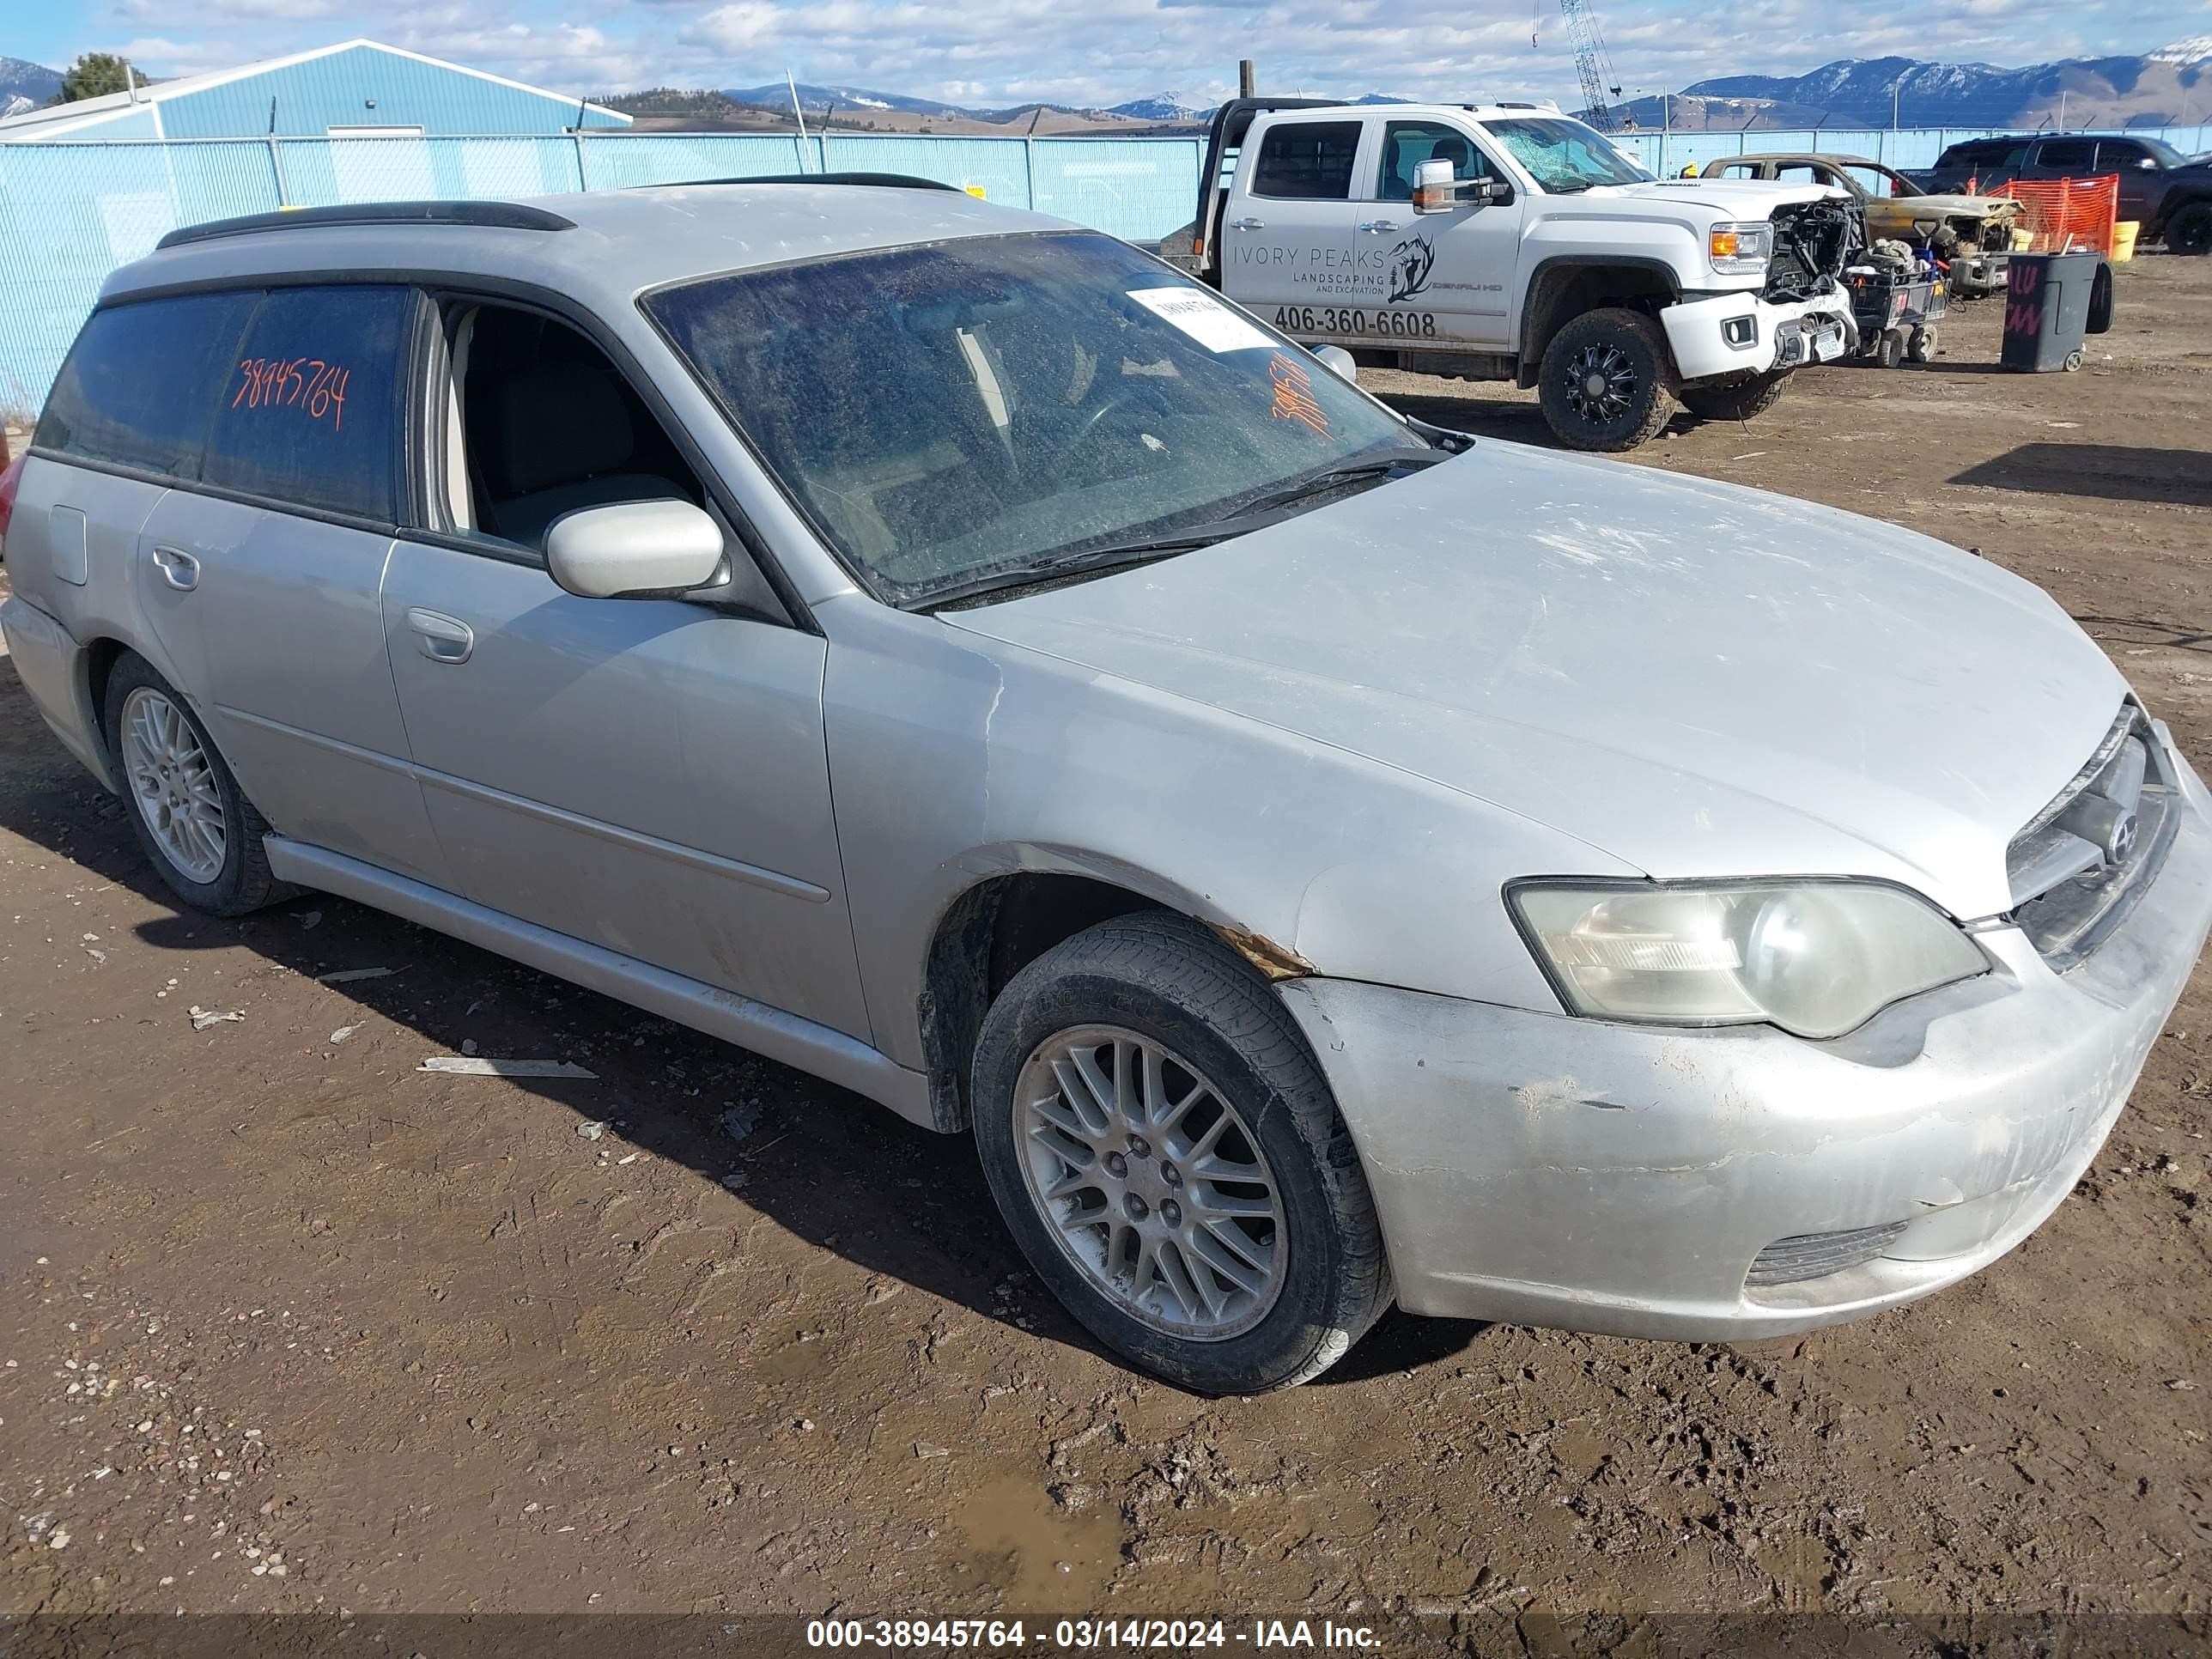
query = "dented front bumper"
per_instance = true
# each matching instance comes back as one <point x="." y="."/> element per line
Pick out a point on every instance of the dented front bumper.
<point x="1549" y="1171"/>
<point x="1723" y="334"/>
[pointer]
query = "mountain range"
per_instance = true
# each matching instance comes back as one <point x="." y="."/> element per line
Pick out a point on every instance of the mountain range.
<point x="21" y="78"/>
<point x="2167" y="87"/>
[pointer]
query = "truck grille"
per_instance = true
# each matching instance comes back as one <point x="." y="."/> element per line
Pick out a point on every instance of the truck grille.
<point x="2083" y="862"/>
<point x="1814" y="1255"/>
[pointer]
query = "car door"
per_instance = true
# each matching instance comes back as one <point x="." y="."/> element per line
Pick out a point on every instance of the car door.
<point x="2061" y="158"/>
<point x="262" y="577"/>
<point x="1291" y="244"/>
<point x="649" y="776"/>
<point x="1451" y="274"/>
<point x="2138" y="172"/>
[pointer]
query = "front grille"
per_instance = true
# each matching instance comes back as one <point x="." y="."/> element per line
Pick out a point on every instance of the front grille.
<point x="1815" y="1256"/>
<point x="2082" y="862"/>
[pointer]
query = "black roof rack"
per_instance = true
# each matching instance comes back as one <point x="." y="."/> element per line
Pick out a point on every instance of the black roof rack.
<point x="493" y="215"/>
<point x="882" y="180"/>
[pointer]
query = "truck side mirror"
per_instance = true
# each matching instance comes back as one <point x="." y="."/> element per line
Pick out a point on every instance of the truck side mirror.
<point x="1432" y="187"/>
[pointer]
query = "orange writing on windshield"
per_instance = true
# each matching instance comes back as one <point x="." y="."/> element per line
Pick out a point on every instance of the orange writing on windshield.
<point x="310" y="385"/>
<point x="1294" y="398"/>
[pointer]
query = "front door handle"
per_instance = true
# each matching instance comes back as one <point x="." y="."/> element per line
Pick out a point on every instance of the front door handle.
<point x="1247" y="224"/>
<point x="178" y="569"/>
<point x="441" y="638"/>
<point x="1378" y="227"/>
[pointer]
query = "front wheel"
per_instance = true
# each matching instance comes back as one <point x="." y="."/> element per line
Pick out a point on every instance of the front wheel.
<point x="1735" y="400"/>
<point x="1604" y="380"/>
<point x="1167" y="1155"/>
<point x="2189" y="231"/>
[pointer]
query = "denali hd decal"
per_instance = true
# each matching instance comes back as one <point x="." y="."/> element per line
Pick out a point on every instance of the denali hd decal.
<point x="1375" y="271"/>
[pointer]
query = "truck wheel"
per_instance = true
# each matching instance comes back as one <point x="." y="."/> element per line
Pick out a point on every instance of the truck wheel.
<point x="1734" y="400"/>
<point x="1169" y="1157"/>
<point x="1604" y="380"/>
<point x="190" y="817"/>
<point x="2189" y="231"/>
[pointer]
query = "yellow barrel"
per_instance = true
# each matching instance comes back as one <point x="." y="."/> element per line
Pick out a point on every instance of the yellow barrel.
<point x="2123" y="240"/>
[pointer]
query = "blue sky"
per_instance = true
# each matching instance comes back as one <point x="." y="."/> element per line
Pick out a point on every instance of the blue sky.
<point x="1094" y="52"/>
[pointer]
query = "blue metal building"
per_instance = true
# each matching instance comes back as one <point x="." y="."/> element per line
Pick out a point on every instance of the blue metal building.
<point x="356" y="89"/>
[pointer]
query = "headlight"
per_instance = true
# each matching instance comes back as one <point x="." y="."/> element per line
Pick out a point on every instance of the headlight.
<point x="1740" y="250"/>
<point x="1819" y="957"/>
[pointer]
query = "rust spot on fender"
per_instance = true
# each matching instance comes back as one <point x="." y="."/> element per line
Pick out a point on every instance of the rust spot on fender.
<point x="1275" y="961"/>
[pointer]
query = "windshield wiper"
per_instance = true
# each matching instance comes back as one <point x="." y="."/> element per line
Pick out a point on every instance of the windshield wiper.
<point x="1254" y="513"/>
<point x="1336" y="477"/>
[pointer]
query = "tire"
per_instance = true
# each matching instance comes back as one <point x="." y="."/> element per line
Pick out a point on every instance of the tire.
<point x="1890" y="352"/>
<point x="1628" y="348"/>
<point x="1921" y="347"/>
<point x="2189" y="231"/>
<point x="237" y="881"/>
<point x="1735" y="400"/>
<point x="1162" y="983"/>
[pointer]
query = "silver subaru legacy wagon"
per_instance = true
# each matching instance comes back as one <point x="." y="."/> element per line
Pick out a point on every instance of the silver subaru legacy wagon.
<point x="1321" y="860"/>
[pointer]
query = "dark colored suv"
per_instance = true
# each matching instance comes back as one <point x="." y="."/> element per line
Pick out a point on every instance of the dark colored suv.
<point x="2167" y="193"/>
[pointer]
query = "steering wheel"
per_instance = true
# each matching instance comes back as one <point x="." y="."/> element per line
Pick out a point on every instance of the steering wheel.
<point x="1121" y="399"/>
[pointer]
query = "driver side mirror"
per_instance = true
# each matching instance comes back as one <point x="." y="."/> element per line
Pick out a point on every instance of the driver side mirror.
<point x="1437" y="189"/>
<point x="634" y="550"/>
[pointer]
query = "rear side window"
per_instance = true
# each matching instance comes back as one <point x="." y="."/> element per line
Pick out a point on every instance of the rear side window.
<point x="143" y="380"/>
<point x="1311" y="161"/>
<point x="310" y="414"/>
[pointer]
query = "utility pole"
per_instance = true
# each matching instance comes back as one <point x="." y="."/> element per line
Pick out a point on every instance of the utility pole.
<point x="1896" y="99"/>
<point x="1247" y="78"/>
<point x="2062" y="109"/>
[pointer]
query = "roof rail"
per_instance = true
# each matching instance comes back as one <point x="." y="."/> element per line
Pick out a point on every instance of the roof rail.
<point x="493" y="215"/>
<point x="881" y="180"/>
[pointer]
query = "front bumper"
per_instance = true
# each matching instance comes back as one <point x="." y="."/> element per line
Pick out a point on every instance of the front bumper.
<point x="1973" y="274"/>
<point x="1548" y="1170"/>
<point x="1729" y="334"/>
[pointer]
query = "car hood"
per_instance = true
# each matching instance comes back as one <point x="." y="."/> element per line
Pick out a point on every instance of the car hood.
<point x="1739" y="198"/>
<point x="1696" y="678"/>
<point x="1957" y="205"/>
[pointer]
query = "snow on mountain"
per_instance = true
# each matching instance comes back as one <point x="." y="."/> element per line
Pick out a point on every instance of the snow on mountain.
<point x="2197" y="49"/>
<point x="21" y="78"/>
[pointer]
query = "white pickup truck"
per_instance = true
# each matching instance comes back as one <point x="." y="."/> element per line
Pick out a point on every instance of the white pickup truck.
<point x="1509" y="242"/>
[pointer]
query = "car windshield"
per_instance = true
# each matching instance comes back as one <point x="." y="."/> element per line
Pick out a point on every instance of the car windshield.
<point x="999" y="404"/>
<point x="2166" y="155"/>
<point x="1564" y="156"/>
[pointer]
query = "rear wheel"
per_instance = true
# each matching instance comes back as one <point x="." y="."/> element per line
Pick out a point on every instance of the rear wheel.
<point x="1168" y="1156"/>
<point x="189" y="814"/>
<point x="1604" y="380"/>
<point x="2189" y="231"/>
<point x="1735" y="400"/>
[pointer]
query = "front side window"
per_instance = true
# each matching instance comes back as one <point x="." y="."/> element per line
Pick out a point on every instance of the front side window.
<point x="1406" y="144"/>
<point x="2065" y="153"/>
<point x="310" y="416"/>
<point x="1564" y="156"/>
<point x="1308" y="161"/>
<point x="946" y="414"/>
<point x="142" y="381"/>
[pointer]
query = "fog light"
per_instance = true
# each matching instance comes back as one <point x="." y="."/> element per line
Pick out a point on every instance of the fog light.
<point x="1740" y="331"/>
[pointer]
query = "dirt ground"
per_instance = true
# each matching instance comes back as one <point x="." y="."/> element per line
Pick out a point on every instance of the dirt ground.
<point x="286" y="1324"/>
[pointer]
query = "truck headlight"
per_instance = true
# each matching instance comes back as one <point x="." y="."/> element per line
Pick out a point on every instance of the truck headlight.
<point x="1816" y="957"/>
<point x="1740" y="250"/>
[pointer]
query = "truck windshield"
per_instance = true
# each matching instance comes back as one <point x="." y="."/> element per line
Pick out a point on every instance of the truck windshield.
<point x="997" y="404"/>
<point x="1564" y="156"/>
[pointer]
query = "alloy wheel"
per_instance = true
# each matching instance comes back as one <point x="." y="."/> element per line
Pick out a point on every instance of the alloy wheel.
<point x="1602" y="383"/>
<point x="172" y="786"/>
<point x="1152" y="1181"/>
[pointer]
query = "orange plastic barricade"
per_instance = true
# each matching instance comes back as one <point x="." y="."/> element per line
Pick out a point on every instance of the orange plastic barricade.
<point x="2062" y="215"/>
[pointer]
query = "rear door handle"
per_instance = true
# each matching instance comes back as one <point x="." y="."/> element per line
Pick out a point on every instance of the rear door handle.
<point x="178" y="569"/>
<point x="1379" y="225"/>
<point x="440" y="637"/>
<point x="1247" y="224"/>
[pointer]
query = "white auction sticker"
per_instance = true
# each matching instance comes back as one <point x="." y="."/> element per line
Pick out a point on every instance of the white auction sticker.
<point x="1202" y="317"/>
